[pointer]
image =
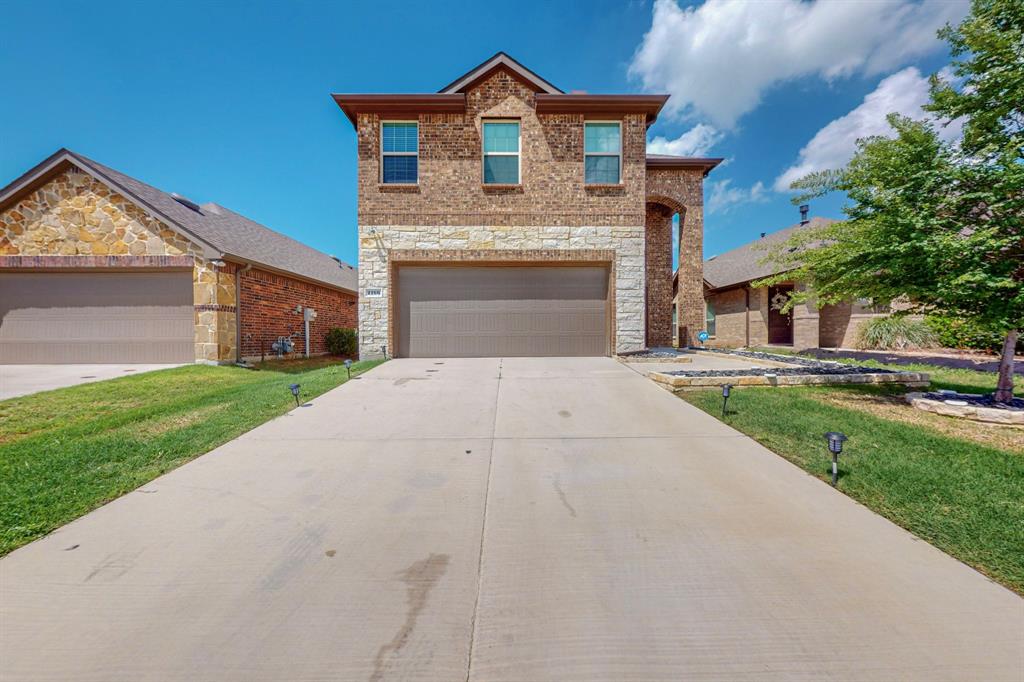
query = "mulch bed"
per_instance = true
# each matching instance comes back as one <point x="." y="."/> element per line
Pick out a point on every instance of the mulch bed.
<point x="984" y="400"/>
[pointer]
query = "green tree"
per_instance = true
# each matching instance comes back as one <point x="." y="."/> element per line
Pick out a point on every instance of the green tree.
<point x="941" y="224"/>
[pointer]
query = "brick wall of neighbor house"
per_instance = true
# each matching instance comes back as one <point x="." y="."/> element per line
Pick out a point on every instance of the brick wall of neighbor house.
<point x="806" y="323"/>
<point x="268" y="304"/>
<point x="76" y="215"/>
<point x="730" y="318"/>
<point x="840" y="324"/>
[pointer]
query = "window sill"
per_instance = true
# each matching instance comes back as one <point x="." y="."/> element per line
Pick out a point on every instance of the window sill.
<point x="606" y="188"/>
<point x="504" y="189"/>
<point x="400" y="187"/>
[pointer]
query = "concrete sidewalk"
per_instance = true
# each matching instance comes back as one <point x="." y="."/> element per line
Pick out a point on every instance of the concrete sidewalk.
<point x="517" y="519"/>
<point x="19" y="380"/>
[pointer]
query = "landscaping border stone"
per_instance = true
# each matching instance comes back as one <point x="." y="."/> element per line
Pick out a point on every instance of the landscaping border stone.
<point x="676" y="382"/>
<point x="951" y="407"/>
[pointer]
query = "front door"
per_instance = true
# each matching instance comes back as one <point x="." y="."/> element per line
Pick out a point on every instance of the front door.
<point x="780" y="325"/>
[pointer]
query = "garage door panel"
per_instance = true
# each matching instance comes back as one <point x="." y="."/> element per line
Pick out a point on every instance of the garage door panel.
<point x="97" y="317"/>
<point x="511" y="311"/>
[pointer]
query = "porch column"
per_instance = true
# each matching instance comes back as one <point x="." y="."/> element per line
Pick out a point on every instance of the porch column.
<point x="691" y="275"/>
<point x="658" y="262"/>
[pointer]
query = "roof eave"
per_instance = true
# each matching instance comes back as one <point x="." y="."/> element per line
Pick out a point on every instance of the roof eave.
<point x="705" y="164"/>
<point x="399" y="104"/>
<point x="233" y="258"/>
<point x="594" y="105"/>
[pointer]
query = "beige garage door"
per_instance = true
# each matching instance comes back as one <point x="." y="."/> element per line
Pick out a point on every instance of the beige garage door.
<point x="97" y="317"/>
<point x="502" y="311"/>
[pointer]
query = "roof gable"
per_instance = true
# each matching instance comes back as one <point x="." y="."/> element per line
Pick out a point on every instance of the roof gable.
<point x="499" y="61"/>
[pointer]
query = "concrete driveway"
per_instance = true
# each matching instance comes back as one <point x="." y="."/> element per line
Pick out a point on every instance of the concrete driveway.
<point x="516" y="519"/>
<point x="19" y="380"/>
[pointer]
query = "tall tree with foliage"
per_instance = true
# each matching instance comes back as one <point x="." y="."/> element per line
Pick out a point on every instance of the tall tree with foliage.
<point x="939" y="223"/>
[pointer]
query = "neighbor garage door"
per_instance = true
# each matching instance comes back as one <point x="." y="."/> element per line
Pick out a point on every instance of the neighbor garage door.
<point x="502" y="311"/>
<point x="96" y="317"/>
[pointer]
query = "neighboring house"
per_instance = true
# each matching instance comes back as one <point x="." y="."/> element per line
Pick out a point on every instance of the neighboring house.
<point x="503" y="216"/>
<point x="97" y="267"/>
<point x="739" y="315"/>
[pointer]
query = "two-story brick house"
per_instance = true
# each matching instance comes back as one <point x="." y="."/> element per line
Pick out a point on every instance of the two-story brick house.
<point x="503" y="216"/>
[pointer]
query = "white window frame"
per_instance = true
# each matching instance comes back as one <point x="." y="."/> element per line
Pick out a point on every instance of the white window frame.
<point x="383" y="153"/>
<point x="586" y="153"/>
<point x="484" y="154"/>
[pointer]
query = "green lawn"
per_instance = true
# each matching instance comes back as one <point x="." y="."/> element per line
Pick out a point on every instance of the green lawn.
<point x="959" y="485"/>
<point x="66" y="452"/>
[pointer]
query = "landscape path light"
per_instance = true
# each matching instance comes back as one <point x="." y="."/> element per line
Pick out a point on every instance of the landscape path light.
<point x="295" y="392"/>
<point x="726" y="389"/>
<point x="348" y="367"/>
<point x="835" y="446"/>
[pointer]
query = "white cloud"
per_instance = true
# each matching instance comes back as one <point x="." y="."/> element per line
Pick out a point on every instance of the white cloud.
<point x="904" y="92"/>
<point x="718" y="59"/>
<point x="723" y="197"/>
<point x="697" y="141"/>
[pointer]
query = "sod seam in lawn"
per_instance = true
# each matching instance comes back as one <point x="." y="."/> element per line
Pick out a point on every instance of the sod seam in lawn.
<point x="963" y="497"/>
<point x="65" y="452"/>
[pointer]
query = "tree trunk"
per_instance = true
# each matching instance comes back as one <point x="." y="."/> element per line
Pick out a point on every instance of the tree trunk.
<point x="1004" y="387"/>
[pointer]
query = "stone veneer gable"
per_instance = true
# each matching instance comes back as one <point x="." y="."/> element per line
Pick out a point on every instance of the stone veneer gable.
<point x="76" y="215"/>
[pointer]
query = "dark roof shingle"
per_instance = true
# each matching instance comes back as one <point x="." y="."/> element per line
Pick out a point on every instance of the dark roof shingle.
<point x="744" y="264"/>
<point x="227" y="232"/>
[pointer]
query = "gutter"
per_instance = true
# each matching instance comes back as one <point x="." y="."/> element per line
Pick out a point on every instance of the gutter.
<point x="287" y="273"/>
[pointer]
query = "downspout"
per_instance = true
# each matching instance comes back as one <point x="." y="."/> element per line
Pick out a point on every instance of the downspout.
<point x="238" y="310"/>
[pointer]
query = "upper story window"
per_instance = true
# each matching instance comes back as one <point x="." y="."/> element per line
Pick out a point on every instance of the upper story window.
<point x="602" y="152"/>
<point x="399" y="152"/>
<point x="501" y="152"/>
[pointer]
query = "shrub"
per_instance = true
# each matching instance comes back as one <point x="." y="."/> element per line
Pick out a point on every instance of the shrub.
<point x="953" y="332"/>
<point x="894" y="332"/>
<point x="342" y="341"/>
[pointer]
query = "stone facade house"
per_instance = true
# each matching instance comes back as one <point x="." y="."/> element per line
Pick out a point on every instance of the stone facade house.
<point x="503" y="216"/>
<point x="97" y="267"/>
<point x="740" y="315"/>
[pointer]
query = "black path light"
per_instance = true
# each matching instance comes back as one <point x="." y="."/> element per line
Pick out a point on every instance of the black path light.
<point x="726" y="389"/>
<point x="348" y="367"/>
<point x="835" y="446"/>
<point x="295" y="392"/>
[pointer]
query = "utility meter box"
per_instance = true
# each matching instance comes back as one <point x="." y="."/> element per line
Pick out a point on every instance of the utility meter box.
<point x="308" y="314"/>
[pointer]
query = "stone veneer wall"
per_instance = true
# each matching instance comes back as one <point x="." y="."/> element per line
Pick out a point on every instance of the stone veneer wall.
<point x="547" y="243"/>
<point x="76" y="215"/>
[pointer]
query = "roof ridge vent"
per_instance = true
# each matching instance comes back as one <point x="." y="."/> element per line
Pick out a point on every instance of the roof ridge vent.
<point x="188" y="203"/>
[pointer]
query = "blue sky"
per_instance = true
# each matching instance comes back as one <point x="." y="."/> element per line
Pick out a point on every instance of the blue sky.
<point x="230" y="102"/>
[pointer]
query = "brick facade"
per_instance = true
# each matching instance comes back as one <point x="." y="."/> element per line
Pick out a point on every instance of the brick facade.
<point x="658" y="256"/>
<point x="741" y="319"/>
<point x="551" y="212"/>
<point x="682" y="192"/>
<point x="268" y="310"/>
